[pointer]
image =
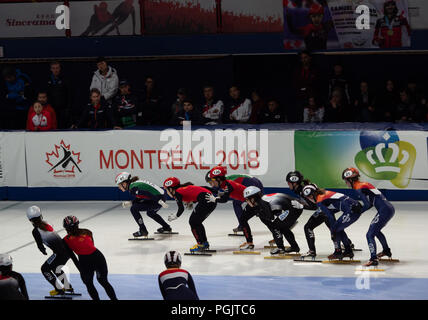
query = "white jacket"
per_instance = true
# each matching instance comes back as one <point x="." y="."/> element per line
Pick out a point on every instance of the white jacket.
<point x="108" y="84"/>
<point x="242" y="112"/>
<point x="213" y="112"/>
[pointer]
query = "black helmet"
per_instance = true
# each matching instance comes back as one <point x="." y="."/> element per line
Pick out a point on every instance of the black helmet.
<point x="172" y="258"/>
<point x="294" y="176"/>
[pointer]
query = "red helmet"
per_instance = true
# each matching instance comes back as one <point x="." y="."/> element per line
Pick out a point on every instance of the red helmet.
<point x="171" y="182"/>
<point x="218" y="171"/>
<point x="350" y="173"/>
<point x="316" y="9"/>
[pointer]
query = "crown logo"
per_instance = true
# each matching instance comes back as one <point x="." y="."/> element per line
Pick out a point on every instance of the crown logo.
<point x="388" y="160"/>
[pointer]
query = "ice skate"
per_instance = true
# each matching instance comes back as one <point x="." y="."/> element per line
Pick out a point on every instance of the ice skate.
<point x="336" y="255"/>
<point x="246" y="246"/>
<point x="372" y="262"/>
<point x="385" y="252"/>
<point x="57" y="292"/>
<point x="164" y="230"/>
<point x="238" y="229"/>
<point x="310" y="254"/>
<point x="348" y="253"/>
<point x="277" y="251"/>
<point x="197" y="248"/>
<point x="138" y="234"/>
<point x="292" y="249"/>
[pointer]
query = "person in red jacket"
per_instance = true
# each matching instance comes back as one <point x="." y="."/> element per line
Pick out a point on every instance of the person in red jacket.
<point x="39" y="119"/>
<point x="91" y="260"/>
<point x="388" y="30"/>
<point x="189" y="193"/>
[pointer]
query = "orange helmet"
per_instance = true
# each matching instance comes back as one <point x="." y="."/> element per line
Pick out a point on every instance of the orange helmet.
<point x="350" y="173"/>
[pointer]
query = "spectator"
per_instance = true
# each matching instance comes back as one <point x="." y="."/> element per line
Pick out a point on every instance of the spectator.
<point x="177" y="106"/>
<point x="105" y="79"/>
<point x="212" y="110"/>
<point x="336" y="110"/>
<point x="97" y="115"/>
<point x="240" y="109"/>
<point x="386" y="103"/>
<point x="39" y="119"/>
<point x="151" y="105"/>
<point x="125" y="106"/>
<point x="189" y="113"/>
<point x="421" y="114"/>
<point x="272" y="114"/>
<point x="405" y="108"/>
<point x="18" y="94"/>
<point x="364" y="104"/>
<point x="305" y="81"/>
<point x="313" y="112"/>
<point x="42" y="98"/>
<point x="258" y="107"/>
<point x="415" y="94"/>
<point x="339" y="81"/>
<point x="60" y="95"/>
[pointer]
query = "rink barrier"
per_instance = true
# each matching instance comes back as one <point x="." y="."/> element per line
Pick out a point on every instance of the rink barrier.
<point x="114" y="194"/>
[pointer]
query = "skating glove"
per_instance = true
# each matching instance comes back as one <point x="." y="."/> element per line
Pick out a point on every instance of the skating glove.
<point x="296" y="204"/>
<point x="210" y="198"/>
<point x="126" y="204"/>
<point x="163" y="204"/>
<point x="172" y="217"/>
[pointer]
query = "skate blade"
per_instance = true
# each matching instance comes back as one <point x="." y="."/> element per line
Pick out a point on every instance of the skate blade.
<point x="59" y="297"/>
<point x="141" y="239"/>
<point x="166" y="232"/>
<point x="389" y="260"/>
<point x="283" y="256"/>
<point x="72" y="294"/>
<point x="310" y="260"/>
<point x="236" y="235"/>
<point x="246" y="252"/>
<point x="341" y="261"/>
<point x="197" y="254"/>
<point x="371" y="269"/>
<point x="274" y="247"/>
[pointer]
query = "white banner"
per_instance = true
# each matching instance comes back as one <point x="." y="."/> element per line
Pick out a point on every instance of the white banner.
<point x="68" y="159"/>
<point x="100" y="18"/>
<point x="12" y="159"/>
<point x="29" y="20"/>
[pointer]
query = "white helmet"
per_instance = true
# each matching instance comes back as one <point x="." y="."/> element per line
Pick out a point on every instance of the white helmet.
<point x="33" y="212"/>
<point x="251" y="191"/>
<point x="172" y="257"/>
<point x="5" y="260"/>
<point x="121" y="177"/>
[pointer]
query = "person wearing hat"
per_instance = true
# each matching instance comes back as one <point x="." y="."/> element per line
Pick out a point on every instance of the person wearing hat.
<point x="105" y="79"/>
<point x="125" y="106"/>
<point x="12" y="284"/>
<point x="44" y="234"/>
<point x="176" y="283"/>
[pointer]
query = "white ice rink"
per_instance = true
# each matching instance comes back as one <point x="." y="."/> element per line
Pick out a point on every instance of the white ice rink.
<point x="134" y="265"/>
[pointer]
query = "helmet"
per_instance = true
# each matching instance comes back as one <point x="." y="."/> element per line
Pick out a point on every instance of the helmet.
<point x="350" y="173"/>
<point x="172" y="257"/>
<point x="309" y="189"/>
<point x="5" y="260"/>
<point x="294" y="176"/>
<point x="121" y="177"/>
<point x="171" y="182"/>
<point x="70" y="222"/>
<point x="207" y="177"/>
<point x="251" y="191"/>
<point x="316" y="9"/>
<point x="33" y="212"/>
<point x="218" y="171"/>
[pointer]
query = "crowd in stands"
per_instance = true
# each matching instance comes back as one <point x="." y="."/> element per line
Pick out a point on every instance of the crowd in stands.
<point x="115" y="103"/>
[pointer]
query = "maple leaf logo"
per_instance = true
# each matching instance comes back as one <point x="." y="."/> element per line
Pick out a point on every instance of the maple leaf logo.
<point x="63" y="161"/>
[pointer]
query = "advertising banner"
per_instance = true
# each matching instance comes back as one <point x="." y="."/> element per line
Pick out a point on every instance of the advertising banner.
<point x="29" y="20"/>
<point x="325" y="25"/>
<point x="69" y="159"/>
<point x="387" y="159"/>
<point x="104" y="18"/>
<point x="252" y="16"/>
<point x="180" y="16"/>
<point x="12" y="159"/>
